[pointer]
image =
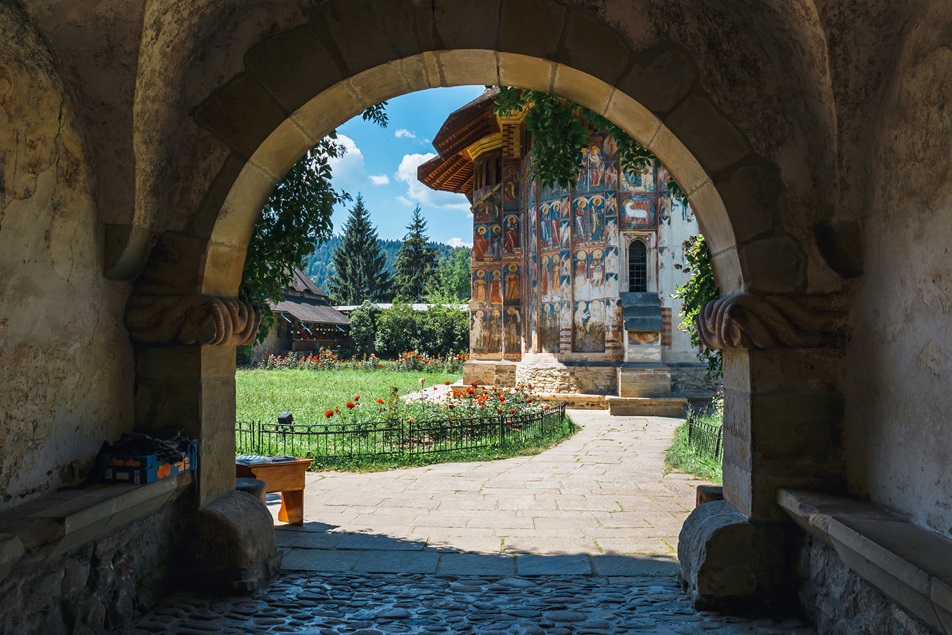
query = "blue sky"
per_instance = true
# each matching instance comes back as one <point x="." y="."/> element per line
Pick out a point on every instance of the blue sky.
<point x="381" y="163"/>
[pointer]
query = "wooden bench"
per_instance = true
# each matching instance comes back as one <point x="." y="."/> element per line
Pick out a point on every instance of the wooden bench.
<point x="286" y="477"/>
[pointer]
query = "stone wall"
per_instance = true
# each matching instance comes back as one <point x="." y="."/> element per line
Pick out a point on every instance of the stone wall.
<point x="900" y="357"/>
<point x="561" y="378"/>
<point x="839" y="601"/>
<point x="65" y="358"/>
<point x="691" y="379"/>
<point x="96" y="587"/>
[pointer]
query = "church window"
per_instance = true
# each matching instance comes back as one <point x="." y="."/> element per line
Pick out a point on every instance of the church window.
<point x="637" y="267"/>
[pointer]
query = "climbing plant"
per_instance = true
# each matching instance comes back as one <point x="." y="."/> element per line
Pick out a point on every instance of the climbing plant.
<point x="560" y="130"/>
<point x="699" y="289"/>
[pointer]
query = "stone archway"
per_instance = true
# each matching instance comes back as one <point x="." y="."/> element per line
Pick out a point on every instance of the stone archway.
<point x="295" y="86"/>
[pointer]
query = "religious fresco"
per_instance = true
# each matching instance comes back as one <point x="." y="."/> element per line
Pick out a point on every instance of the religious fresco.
<point x="510" y="185"/>
<point x="495" y="286"/>
<point x="639" y="181"/>
<point x="480" y="242"/>
<point x="588" y="216"/>
<point x="487" y="209"/>
<point x="549" y="328"/>
<point x="494" y="330"/>
<point x="513" y="331"/>
<point x="480" y="290"/>
<point x="478" y="336"/>
<point x="513" y="290"/>
<point x="495" y="242"/>
<point x="589" y="327"/>
<point x="637" y="212"/>
<point x="512" y="238"/>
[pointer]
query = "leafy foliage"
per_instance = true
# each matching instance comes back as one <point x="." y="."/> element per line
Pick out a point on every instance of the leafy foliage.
<point x="361" y="274"/>
<point x="295" y="216"/>
<point x="560" y="130"/>
<point x="441" y="330"/>
<point x="416" y="261"/>
<point x="363" y="328"/>
<point x="700" y="289"/>
<point x="452" y="278"/>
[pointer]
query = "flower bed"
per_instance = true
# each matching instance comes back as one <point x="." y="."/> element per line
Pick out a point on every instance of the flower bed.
<point x="410" y="361"/>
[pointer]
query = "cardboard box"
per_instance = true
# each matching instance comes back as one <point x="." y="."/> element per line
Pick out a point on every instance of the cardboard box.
<point x="147" y="468"/>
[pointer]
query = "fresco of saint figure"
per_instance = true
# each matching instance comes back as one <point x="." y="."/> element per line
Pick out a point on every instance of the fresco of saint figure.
<point x="611" y="263"/>
<point x="495" y="242"/>
<point x="549" y="329"/>
<point x="511" y="183"/>
<point x="477" y="332"/>
<point x="544" y="278"/>
<point x="495" y="287"/>
<point x="545" y="230"/>
<point x="479" y="287"/>
<point x="513" y="331"/>
<point x="580" y="227"/>
<point x="480" y="243"/>
<point x="582" y="286"/>
<point x="494" y="329"/>
<point x="553" y="273"/>
<point x="596" y="218"/>
<point x="555" y="221"/>
<point x="481" y="213"/>
<point x="589" y="327"/>
<point x="597" y="271"/>
<point x="512" y="284"/>
<point x="512" y="240"/>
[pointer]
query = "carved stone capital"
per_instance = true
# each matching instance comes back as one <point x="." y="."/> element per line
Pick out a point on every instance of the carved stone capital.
<point x="749" y="321"/>
<point x="191" y="319"/>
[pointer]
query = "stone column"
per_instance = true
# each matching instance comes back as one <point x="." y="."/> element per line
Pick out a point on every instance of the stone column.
<point x="783" y="371"/>
<point x="185" y="379"/>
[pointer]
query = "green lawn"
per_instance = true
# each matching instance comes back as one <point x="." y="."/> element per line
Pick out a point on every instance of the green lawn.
<point x="264" y="394"/>
<point x="683" y="457"/>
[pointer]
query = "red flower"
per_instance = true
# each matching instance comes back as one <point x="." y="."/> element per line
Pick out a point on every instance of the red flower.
<point x="410" y="419"/>
<point x="470" y="391"/>
<point x="529" y="400"/>
<point x="452" y="406"/>
<point x="512" y="411"/>
<point x="356" y="397"/>
<point x="473" y="384"/>
<point x="546" y="407"/>
<point x="337" y="410"/>
<point x="350" y="405"/>
<point x="447" y="382"/>
<point x="499" y="410"/>
<point x="435" y="387"/>
<point x="380" y="401"/>
<point x="329" y="413"/>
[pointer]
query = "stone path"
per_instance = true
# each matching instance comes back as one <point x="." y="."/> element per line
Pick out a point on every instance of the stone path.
<point x="600" y="495"/>
<point x="578" y="539"/>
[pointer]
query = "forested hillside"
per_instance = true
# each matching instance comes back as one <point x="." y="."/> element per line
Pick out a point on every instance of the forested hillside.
<point x="320" y="265"/>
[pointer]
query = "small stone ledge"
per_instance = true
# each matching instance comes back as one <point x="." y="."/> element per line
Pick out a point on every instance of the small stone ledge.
<point x="910" y="565"/>
<point x="62" y="521"/>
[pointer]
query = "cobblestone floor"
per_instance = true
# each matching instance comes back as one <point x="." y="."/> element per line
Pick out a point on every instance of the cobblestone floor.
<point x="335" y="604"/>
<point x="579" y="539"/>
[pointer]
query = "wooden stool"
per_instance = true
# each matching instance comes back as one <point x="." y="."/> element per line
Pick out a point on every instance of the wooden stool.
<point x="286" y="477"/>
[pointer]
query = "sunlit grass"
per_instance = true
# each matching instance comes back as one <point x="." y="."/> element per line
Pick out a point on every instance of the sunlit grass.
<point x="264" y="394"/>
<point x="683" y="457"/>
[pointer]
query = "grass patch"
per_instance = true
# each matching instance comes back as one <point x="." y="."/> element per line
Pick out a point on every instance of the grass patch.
<point x="684" y="457"/>
<point x="493" y="453"/>
<point x="264" y="394"/>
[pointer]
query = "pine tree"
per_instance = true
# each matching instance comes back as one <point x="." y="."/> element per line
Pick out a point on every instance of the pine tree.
<point x="360" y="267"/>
<point x="416" y="261"/>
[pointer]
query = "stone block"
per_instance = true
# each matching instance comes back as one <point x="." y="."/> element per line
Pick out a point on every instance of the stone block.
<point x="526" y="72"/>
<point x="582" y="88"/>
<point x="660" y="78"/>
<point x="682" y="164"/>
<point x="714" y="221"/>
<point x="774" y="264"/>
<point x="293" y="67"/>
<point x="713" y="140"/>
<point x="644" y="382"/>
<point x="730" y="564"/>
<point x="750" y="193"/>
<point x="463" y="24"/>
<point x="646" y="406"/>
<point x="633" y="117"/>
<point x="531" y="27"/>
<point x="594" y="47"/>
<point x="11" y="551"/>
<point x="241" y="113"/>
<point x="462" y="67"/>
<point x="229" y="546"/>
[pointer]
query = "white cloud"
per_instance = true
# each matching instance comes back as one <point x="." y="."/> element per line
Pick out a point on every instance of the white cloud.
<point x="403" y="133"/>
<point x="419" y="193"/>
<point x="379" y="179"/>
<point x="348" y="170"/>
<point x="458" y="242"/>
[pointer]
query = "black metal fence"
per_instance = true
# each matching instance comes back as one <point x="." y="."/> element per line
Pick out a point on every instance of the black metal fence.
<point x="387" y="438"/>
<point x="704" y="434"/>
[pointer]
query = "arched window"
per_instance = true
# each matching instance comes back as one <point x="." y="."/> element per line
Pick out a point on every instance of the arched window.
<point x="637" y="267"/>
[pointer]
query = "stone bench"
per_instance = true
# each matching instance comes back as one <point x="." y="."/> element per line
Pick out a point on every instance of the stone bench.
<point x="58" y="523"/>
<point x="909" y="564"/>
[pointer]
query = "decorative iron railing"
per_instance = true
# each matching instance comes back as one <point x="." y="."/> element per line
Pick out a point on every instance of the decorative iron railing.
<point x="387" y="438"/>
<point x="706" y="437"/>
